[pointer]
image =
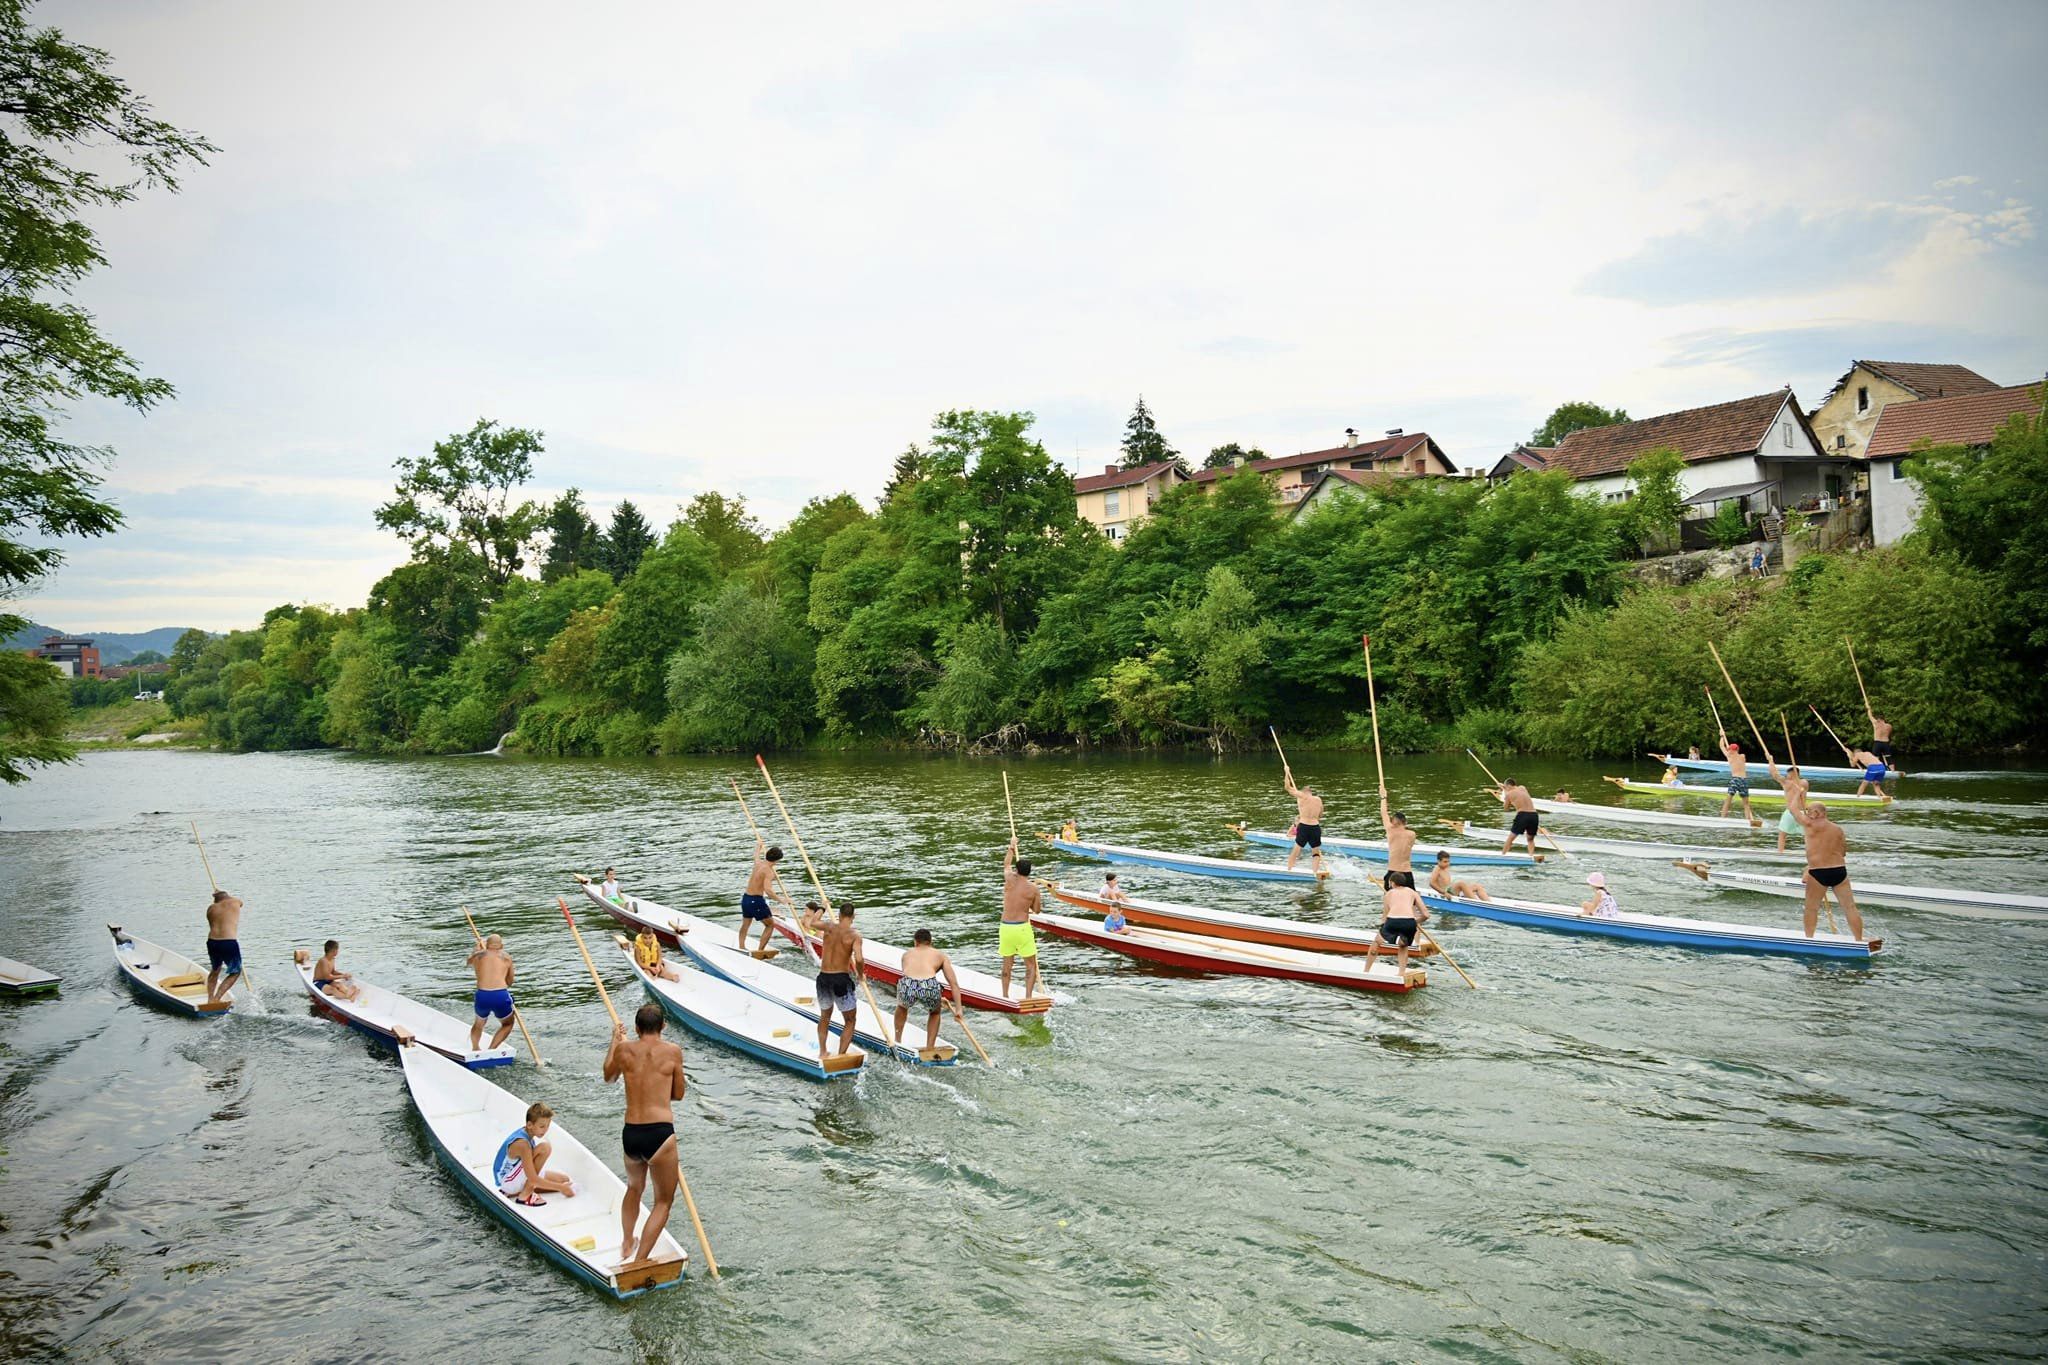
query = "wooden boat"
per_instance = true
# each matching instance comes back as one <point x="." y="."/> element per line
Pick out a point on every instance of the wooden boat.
<point x="468" y="1118"/>
<point x="978" y="990"/>
<point x="383" y="1014"/>
<point x="1574" y="811"/>
<point x="18" y="978"/>
<point x="743" y="1021"/>
<point x="1229" y="924"/>
<point x="1200" y="953"/>
<point x="1375" y="850"/>
<point x="1690" y="933"/>
<point x="1720" y="766"/>
<point x="1944" y="899"/>
<point x="167" y="979"/>
<point x="1196" y="863"/>
<point x="1586" y="844"/>
<point x="1758" y="796"/>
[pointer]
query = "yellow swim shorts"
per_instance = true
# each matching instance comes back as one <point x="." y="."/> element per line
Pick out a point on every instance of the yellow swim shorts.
<point x="1017" y="940"/>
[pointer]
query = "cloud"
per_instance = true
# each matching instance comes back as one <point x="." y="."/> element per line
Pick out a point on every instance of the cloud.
<point x="1955" y="182"/>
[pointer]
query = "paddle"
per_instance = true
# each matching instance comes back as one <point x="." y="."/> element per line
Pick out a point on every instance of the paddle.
<point x="1755" y="733"/>
<point x="247" y="980"/>
<point x="1379" y="767"/>
<point x="761" y="844"/>
<point x="1791" y="755"/>
<point x="1846" y="753"/>
<point x="888" y="1034"/>
<point x="682" y="1181"/>
<point x="517" y="1017"/>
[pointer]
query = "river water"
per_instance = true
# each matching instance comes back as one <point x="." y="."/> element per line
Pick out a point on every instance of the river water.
<point x="1610" y="1152"/>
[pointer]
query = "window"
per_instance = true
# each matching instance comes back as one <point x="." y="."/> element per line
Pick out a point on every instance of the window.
<point x="1113" y="503"/>
<point x="1785" y="433"/>
<point x="1863" y="398"/>
<point x="1841" y="441"/>
<point x="1898" y="470"/>
<point x="1115" y="532"/>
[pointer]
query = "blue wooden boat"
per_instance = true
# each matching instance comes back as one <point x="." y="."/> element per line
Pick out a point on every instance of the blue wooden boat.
<point x="766" y="1030"/>
<point x="1719" y="767"/>
<point x="1689" y="933"/>
<point x="1195" y="863"/>
<point x="1375" y="850"/>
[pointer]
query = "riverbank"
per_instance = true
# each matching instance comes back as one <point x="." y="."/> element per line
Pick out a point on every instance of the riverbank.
<point x="135" y="724"/>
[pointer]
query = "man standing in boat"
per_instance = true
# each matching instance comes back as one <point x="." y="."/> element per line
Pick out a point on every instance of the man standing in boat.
<point x="493" y="968"/>
<point x="1738" y="781"/>
<point x="1308" y="821"/>
<point x="927" y="975"/>
<point x="1400" y="847"/>
<point x="223" y="945"/>
<point x="1403" y="919"/>
<point x="761" y="884"/>
<point x="839" y="962"/>
<point x="1516" y="798"/>
<point x="1014" y="938"/>
<point x="652" y="1068"/>
<point x="1795" y="787"/>
<point x="1881" y="739"/>
<point x="1827" y="869"/>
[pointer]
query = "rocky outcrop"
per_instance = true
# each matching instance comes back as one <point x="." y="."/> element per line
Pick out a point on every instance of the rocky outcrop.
<point x="1695" y="566"/>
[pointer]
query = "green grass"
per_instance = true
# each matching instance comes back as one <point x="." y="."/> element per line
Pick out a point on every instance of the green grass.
<point x="123" y="725"/>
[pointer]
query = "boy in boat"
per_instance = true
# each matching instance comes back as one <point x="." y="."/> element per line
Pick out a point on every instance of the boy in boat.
<point x="1441" y="881"/>
<point x="223" y="947"/>
<point x="610" y="889"/>
<point x="652" y="1068"/>
<point x="1795" y="787"/>
<point x="1603" y="903"/>
<point x="1516" y="798"/>
<point x="1070" y="832"/>
<point x="493" y="968"/>
<point x="1404" y="917"/>
<point x="520" y="1168"/>
<point x="927" y="973"/>
<point x="1308" y="822"/>
<point x="647" y="952"/>
<point x="1670" y="778"/>
<point x="754" y="901"/>
<point x="1110" y="891"/>
<point x="838" y="960"/>
<point x="1400" y="847"/>
<point x="1738" y="781"/>
<point x="329" y="979"/>
<point x="1827" y="850"/>
<point x="1014" y="938"/>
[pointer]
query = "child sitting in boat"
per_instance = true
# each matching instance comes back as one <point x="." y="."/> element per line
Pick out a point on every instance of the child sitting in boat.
<point x="1071" y="831"/>
<point x="329" y="979"/>
<point x="1671" y="777"/>
<point x="519" y="1169"/>
<point x="1111" y="889"/>
<point x="1440" y="881"/>
<point x="647" y="952"/>
<point x="610" y="889"/>
<point x="1603" y="903"/>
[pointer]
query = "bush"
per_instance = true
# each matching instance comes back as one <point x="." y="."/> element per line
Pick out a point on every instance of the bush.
<point x="1401" y="731"/>
<point x="1488" y="728"/>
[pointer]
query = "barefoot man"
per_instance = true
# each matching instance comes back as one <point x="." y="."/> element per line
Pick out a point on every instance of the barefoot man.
<point x="1404" y="917"/>
<point x="760" y="885"/>
<point x="223" y="947"/>
<point x="1738" y="781"/>
<point x="1308" y="821"/>
<point x="927" y="974"/>
<point x="1400" y="848"/>
<point x="838" y="960"/>
<point x="653" y="1070"/>
<point x="1881" y="738"/>
<point x="1796" y="787"/>
<point x="1827" y="849"/>
<point x="493" y="968"/>
<point x="1014" y="938"/>
<point x="1516" y="798"/>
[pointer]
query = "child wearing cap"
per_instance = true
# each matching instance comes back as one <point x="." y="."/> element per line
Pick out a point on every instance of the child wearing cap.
<point x="1602" y="903"/>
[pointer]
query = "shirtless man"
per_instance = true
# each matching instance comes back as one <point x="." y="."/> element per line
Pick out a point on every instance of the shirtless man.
<point x="1516" y="798"/>
<point x="223" y="948"/>
<point x="1400" y="847"/>
<point x="1875" y="771"/>
<point x="493" y="968"/>
<point x="1738" y="781"/>
<point x="1308" y="822"/>
<point x="1881" y="738"/>
<point x="1014" y="938"/>
<point x="1441" y="881"/>
<point x="1827" y="849"/>
<point x="838" y="960"/>
<point x="653" y="1070"/>
<point x="328" y="979"/>
<point x="922" y="987"/>
<point x="1796" y="787"/>
<point x="761" y="884"/>
<point x="1404" y="917"/>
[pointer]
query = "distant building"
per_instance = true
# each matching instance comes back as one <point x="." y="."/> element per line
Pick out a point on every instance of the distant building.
<point x="1398" y="455"/>
<point x="1971" y="419"/>
<point x="1846" y="417"/>
<point x="1535" y="459"/>
<point x="74" y="655"/>
<point x="1118" y="499"/>
<point x="1333" y="486"/>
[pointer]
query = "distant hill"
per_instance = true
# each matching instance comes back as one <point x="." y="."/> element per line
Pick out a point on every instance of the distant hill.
<point x="116" y="647"/>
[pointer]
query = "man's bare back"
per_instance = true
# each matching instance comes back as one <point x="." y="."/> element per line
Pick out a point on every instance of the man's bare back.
<point x="1308" y="807"/>
<point x="224" y="918"/>
<point x="835" y="954"/>
<point x="1020" y="898"/>
<point x="1827" y="844"/>
<point x="1517" y="797"/>
<point x="652" y="1067"/>
<point x="923" y="961"/>
<point x="493" y="968"/>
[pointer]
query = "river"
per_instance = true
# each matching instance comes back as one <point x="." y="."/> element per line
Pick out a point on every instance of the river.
<point x="1610" y="1152"/>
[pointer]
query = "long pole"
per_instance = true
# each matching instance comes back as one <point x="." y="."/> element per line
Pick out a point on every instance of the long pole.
<point x="1791" y="754"/>
<point x="1859" y="682"/>
<point x="1282" y="752"/>
<point x="516" y="1015"/>
<point x="783" y="891"/>
<point x="1719" y="728"/>
<point x="207" y="863"/>
<point x="1831" y="731"/>
<point x="1759" y="734"/>
<point x="888" y="1034"/>
<point x="682" y="1180"/>
<point x="1012" y="810"/>
<point x="1379" y="767"/>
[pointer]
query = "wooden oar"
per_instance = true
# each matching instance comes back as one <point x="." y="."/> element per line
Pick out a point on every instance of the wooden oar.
<point x="980" y="1051"/>
<point x="1846" y="752"/>
<point x="1380" y="768"/>
<point x="206" y="862"/>
<point x="1859" y="684"/>
<point x="517" y="1017"/>
<point x="1753" y="730"/>
<point x="888" y="1033"/>
<point x="682" y="1181"/>
<point x="760" y="846"/>
<point x="1282" y="752"/>
<point x="1791" y="755"/>
<point x="1719" y="728"/>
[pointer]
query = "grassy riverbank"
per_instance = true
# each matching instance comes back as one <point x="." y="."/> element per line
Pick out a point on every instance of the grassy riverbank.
<point x="132" y="724"/>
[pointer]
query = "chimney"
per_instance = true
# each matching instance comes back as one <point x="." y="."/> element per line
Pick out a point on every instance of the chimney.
<point x="1237" y="462"/>
<point x="1350" y="437"/>
<point x="1110" y="469"/>
<point x="1393" y="431"/>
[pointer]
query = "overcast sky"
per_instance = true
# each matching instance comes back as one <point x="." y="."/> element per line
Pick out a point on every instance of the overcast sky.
<point x="755" y="248"/>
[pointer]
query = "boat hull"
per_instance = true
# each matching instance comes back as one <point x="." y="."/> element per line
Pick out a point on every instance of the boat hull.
<point x="166" y="979"/>
<point x="793" y="992"/>
<point x="736" y="1018"/>
<point x="1375" y="850"/>
<point x="1215" y="956"/>
<point x="1758" y="796"/>
<point x="1582" y="844"/>
<point x="1704" y="934"/>
<point x="1195" y="863"/>
<point x="443" y="1034"/>
<point x="1720" y="766"/>
<point x="18" y="978"/>
<point x="1224" y="924"/>
<point x="1939" y="900"/>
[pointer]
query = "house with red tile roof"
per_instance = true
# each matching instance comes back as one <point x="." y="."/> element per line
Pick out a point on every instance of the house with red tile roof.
<point x="1968" y="419"/>
<point x="1398" y="455"/>
<point x="1846" y="417"/>
<point x="1535" y="459"/>
<point x="1118" y="499"/>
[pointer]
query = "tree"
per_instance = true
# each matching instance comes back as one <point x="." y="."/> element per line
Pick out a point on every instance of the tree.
<point x="652" y="617"/>
<point x="795" y="551"/>
<point x="1231" y="455"/>
<point x="1989" y="509"/>
<point x="1729" y="526"/>
<point x="1651" y="518"/>
<point x="735" y="538"/>
<point x="59" y="100"/>
<point x="909" y="468"/>
<point x="462" y="495"/>
<point x="147" y="657"/>
<point x="1011" y="510"/>
<point x="747" y="682"/>
<point x="1142" y="443"/>
<point x="573" y="540"/>
<point x="1571" y="417"/>
<point x="629" y="539"/>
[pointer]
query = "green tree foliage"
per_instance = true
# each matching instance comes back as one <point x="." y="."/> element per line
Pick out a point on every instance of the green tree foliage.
<point x="629" y="538"/>
<point x="974" y="694"/>
<point x="1650" y="519"/>
<point x="147" y="657"/>
<point x="1989" y="510"/>
<point x="264" y="688"/>
<point x="1221" y="640"/>
<point x="460" y="497"/>
<point x="746" y="683"/>
<point x="907" y="470"/>
<point x="574" y="543"/>
<point x="798" y="548"/>
<point x="1143" y="444"/>
<point x="1571" y="417"/>
<point x="75" y="141"/>
<point x="1230" y="455"/>
<point x="1729" y="526"/>
<point x="735" y="538"/>
<point x="654" y="616"/>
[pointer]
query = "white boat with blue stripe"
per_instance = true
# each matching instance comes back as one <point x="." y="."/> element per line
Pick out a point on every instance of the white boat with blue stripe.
<point x="1689" y="933"/>
<point x="1196" y="863"/>
<point x="1375" y="850"/>
<point x="1719" y="767"/>
<point x="384" y="1014"/>
<point x="766" y="1030"/>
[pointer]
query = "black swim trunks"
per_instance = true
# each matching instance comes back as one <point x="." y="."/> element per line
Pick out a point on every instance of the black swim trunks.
<point x="1828" y="876"/>
<point x="1308" y="836"/>
<point x="1883" y="749"/>
<point x="643" y="1140"/>
<point x="1525" y="823"/>
<point x="1396" y="877"/>
<point x="1398" y="932"/>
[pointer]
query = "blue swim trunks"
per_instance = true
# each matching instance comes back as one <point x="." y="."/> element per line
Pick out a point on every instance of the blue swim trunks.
<point x="1876" y="772"/>
<point x="224" y="955"/>
<point x="494" y="1005"/>
<point x="754" y="907"/>
<point x="1738" y="786"/>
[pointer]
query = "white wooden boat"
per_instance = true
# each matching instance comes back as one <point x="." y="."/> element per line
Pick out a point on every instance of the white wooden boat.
<point x="18" y="978"/>
<point x="1232" y="957"/>
<point x="1198" y="863"/>
<point x="382" y="1013"/>
<point x="1758" y="795"/>
<point x="1944" y="899"/>
<point x="1690" y="933"/>
<point x="1375" y="850"/>
<point x="1580" y="845"/>
<point x="1719" y="766"/>
<point x="468" y="1120"/>
<point x="1230" y="924"/>
<point x="168" y="979"/>
<point x="1572" y="812"/>
<point x="764" y="1029"/>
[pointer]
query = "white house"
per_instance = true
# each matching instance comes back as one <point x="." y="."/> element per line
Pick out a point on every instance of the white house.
<point x="1970" y="419"/>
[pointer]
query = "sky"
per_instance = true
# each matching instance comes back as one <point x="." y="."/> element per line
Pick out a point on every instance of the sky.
<point x="756" y="248"/>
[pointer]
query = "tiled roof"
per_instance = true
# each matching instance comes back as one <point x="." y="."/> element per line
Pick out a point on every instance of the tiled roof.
<point x="1922" y="380"/>
<point x="1120" y="478"/>
<point x="1970" y="420"/>
<point x="1391" y="447"/>
<point x="1709" y="433"/>
<point x="1522" y="457"/>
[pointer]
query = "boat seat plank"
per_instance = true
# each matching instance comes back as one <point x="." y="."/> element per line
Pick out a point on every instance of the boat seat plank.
<point x="189" y="979"/>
